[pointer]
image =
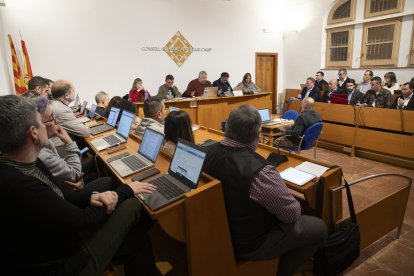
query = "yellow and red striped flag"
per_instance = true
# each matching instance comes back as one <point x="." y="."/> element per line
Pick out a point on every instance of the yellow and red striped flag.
<point x="28" y="74"/>
<point x="17" y="73"/>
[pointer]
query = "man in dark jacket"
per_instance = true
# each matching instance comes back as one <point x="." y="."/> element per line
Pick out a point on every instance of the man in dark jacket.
<point x="293" y="134"/>
<point x="406" y="100"/>
<point x="310" y="90"/>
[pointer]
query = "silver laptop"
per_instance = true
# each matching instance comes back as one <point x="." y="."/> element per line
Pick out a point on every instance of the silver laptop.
<point x="76" y="105"/>
<point x="211" y="92"/>
<point x="90" y="114"/>
<point x="110" y="122"/>
<point x="147" y="154"/>
<point x="265" y="116"/>
<point x="83" y="107"/>
<point x="119" y="137"/>
<point x="183" y="175"/>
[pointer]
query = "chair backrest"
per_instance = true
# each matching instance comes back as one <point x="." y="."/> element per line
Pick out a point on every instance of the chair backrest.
<point x="311" y="134"/>
<point x="290" y="115"/>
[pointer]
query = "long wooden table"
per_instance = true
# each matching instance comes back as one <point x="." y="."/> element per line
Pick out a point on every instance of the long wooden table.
<point x="381" y="134"/>
<point x="200" y="221"/>
<point x="211" y="112"/>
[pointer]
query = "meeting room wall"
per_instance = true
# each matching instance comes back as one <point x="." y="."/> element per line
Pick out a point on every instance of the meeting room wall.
<point x="102" y="45"/>
<point x="310" y="17"/>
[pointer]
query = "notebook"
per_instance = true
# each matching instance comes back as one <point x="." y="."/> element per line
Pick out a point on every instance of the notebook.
<point x="119" y="137"/>
<point x="303" y="173"/>
<point x="90" y="114"/>
<point x="337" y="98"/>
<point x="147" y="154"/>
<point x="110" y="122"/>
<point x="183" y="175"/>
<point x="265" y="116"/>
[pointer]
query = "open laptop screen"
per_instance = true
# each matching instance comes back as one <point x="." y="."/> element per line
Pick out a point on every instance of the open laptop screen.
<point x="151" y="144"/>
<point x="264" y="114"/>
<point x="113" y="116"/>
<point x="187" y="163"/>
<point x="125" y="124"/>
<point x="91" y="111"/>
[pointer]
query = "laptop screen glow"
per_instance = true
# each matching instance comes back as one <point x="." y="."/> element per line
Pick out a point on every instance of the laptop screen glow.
<point x="113" y="116"/>
<point x="187" y="163"/>
<point x="125" y="124"/>
<point x="264" y="114"/>
<point x="91" y="111"/>
<point x="151" y="144"/>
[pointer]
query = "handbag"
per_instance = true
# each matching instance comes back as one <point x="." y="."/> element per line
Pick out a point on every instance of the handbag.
<point x="341" y="248"/>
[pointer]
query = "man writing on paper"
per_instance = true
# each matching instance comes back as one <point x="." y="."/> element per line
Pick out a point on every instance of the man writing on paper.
<point x="265" y="219"/>
<point x="308" y="117"/>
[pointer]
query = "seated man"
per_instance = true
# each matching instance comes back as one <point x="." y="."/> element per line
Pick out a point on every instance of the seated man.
<point x="333" y="88"/>
<point x="406" y="100"/>
<point x="196" y="87"/>
<point x="378" y="96"/>
<point x="224" y="87"/>
<point x="63" y="93"/>
<point x="37" y="85"/>
<point x="154" y="116"/>
<point x="319" y="81"/>
<point x="355" y="97"/>
<point x="265" y="219"/>
<point x="168" y="90"/>
<point x="293" y="134"/>
<point x="102" y="100"/>
<point x="310" y="90"/>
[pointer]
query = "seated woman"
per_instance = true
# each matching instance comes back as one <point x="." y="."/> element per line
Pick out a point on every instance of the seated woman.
<point x="390" y="82"/>
<point x="177" y="125"/>
<point x="113" y="102"/>
<point x="247" y="86"/>
<point x="138" y="92"/>
<point x="51" y="231"/>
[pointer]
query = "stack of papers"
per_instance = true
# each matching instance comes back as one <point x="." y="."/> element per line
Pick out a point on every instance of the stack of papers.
<point x="303" y="173"/>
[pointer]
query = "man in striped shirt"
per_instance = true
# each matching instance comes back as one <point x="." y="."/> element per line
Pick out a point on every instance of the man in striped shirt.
<point x="265" y="219"/>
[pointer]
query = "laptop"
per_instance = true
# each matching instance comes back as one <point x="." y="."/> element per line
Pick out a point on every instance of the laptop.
<point x="183" y="175"/>
<point x="110" y="122"/>
<point x="76" y="105"/>
<point x="119" y="137"/>
<point x="211" y="92"/>
<point x="90" y="114"/>
<point x="337" y="98"/>
<point x="265" y="116"/>
<point x="145" y="158"/>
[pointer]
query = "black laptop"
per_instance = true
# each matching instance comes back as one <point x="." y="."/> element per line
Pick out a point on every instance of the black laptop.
<point x="183" y="175"/>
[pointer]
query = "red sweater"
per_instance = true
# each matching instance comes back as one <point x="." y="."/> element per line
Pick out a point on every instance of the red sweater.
<point x="136" y="96"/>
<point x="196" y="86"/>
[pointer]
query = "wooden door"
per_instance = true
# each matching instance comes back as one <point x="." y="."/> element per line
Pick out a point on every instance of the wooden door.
<point x="266" y="75"/>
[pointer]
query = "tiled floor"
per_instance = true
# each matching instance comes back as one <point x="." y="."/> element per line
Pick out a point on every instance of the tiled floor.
<point x="387" y="256"/>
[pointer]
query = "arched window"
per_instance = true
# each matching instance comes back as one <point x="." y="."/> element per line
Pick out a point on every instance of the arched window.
<point x="343" y="11"/>
<point x="382" y="7"/>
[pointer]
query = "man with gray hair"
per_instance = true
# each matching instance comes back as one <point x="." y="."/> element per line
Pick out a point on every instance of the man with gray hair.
<point x="307" y="118"/>
<point x="102" y="101"/>
<point x="196" y="87"/>
<point x="265" y="219"/>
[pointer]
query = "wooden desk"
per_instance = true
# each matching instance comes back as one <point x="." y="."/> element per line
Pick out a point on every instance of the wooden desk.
<point x="210" y="112"/>
<point x="200" y="221"/>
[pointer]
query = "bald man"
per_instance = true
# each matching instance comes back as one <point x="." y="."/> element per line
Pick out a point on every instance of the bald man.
<point x="308" y="117"/>
<point x="63" y="93"/>
<point x="333" y="88"/>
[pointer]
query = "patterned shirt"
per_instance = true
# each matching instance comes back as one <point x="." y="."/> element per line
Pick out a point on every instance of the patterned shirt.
<point x="269" y="190"/>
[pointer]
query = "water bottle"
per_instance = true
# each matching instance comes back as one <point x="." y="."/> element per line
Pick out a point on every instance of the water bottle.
<point x="145" y="95"/>
<point x="205" y="92"/>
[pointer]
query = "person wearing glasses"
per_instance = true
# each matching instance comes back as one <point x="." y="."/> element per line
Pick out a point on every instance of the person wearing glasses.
<point x="168" y="90"/>
<point x="342" y="80"/>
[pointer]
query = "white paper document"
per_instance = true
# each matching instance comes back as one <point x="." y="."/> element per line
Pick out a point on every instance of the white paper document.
<point x="296" y="176"/>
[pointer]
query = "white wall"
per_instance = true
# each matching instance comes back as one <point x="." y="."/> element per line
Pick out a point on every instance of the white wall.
<point x="97" y="44"/>
<point x="305" y="50"/>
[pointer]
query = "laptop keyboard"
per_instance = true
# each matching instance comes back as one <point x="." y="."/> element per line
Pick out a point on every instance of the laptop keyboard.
<point x="99" y="129"/>
<point x="134" y="163"/>
<point x="166" y="188"/>
<point x="112" y="140"/>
